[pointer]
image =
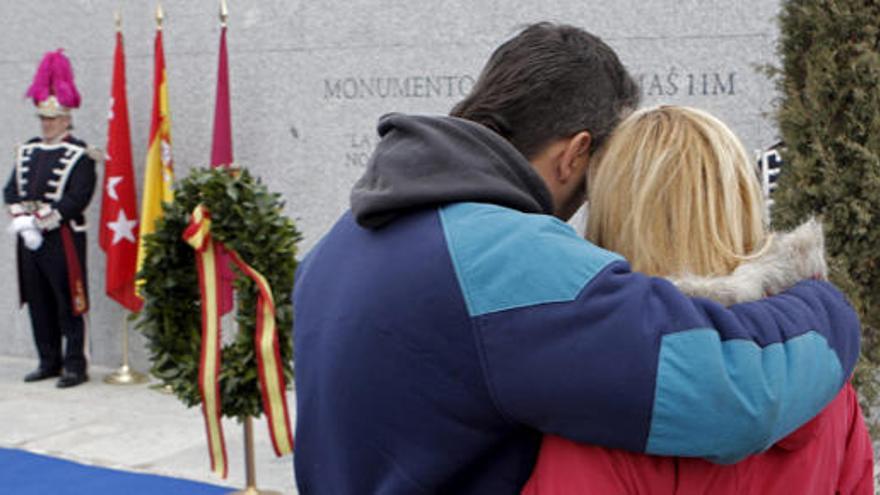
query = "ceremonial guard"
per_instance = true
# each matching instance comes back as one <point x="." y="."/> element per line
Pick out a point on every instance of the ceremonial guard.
<point x="49" y="189"/>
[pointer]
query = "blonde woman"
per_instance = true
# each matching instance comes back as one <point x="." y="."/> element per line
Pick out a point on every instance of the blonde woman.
<point x="675" y="193"/>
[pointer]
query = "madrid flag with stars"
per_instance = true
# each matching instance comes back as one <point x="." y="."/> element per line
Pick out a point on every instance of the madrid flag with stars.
<point x="119" y="232"/>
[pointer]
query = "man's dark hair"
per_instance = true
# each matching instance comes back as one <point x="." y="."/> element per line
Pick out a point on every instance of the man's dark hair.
<point x="550" y="81"/>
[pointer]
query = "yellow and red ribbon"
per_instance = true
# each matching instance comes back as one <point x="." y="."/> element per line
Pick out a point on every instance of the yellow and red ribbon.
<point x="268" y="351"/>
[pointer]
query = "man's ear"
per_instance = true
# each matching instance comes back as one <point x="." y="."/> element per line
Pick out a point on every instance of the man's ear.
<point x="574" y="158"/>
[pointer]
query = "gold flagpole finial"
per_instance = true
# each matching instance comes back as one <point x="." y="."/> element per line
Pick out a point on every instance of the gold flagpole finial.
<point x="224" y="13"/>
<point x="160" y="15"/>
<point x="117" y="17"/>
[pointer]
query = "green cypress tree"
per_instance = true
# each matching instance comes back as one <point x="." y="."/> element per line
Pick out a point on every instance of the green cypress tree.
<point x="829" y="119"/>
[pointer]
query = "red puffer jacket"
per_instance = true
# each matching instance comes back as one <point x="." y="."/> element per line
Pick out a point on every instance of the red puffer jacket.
<point x="831" y="454"/>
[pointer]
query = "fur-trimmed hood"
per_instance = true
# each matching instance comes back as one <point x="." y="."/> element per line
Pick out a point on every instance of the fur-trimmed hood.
<point x="791" y="257"/>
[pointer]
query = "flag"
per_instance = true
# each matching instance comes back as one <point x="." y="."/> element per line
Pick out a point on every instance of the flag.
<point x="159" y="170"/>
<point x="118" y="235"/>
<point x="221" y="143"/>
<point x="221" y="156"/>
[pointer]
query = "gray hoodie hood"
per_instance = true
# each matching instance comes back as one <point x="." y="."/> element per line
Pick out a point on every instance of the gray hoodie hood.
<point x="423" y="162"/>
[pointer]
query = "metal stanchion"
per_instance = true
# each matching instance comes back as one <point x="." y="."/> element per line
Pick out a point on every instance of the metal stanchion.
<point x="124" y="375"/>
<point x="250" y="465"/>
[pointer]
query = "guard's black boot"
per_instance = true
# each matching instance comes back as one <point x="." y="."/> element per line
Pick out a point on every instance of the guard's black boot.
<point x="41" y="374"/>
<point x="70" y="379"/>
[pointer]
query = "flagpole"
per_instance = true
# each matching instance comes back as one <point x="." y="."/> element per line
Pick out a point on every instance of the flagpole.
<point x="160" y="15"/>
<point x="124" y="374"/>
<point x="250" y="465"/>
<point x="248" y="422"/>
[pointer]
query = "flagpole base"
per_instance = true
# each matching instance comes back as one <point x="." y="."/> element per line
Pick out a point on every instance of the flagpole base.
<point x="125" y="376"/>
<point x="162" y="389"/>
<point x="253" y="491"/>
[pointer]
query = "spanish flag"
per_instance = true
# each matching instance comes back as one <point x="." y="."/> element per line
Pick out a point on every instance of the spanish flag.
<point x="159" y="171"/>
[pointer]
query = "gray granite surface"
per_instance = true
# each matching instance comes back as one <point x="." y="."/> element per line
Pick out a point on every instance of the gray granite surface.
<point x="310" y="79"/>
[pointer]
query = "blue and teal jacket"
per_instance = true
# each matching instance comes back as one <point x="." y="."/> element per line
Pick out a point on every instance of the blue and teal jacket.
<point x="448" y="320"/>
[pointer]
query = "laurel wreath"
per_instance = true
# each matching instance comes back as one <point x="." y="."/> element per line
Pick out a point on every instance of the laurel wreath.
<point x="248" y="219"/>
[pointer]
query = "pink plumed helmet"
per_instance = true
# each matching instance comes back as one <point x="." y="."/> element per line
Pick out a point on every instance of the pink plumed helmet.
<point x="53" y="90"/>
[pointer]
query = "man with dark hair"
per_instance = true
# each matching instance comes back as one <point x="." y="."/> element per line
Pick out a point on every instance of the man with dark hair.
<point x="530" y="103"/>
<point x="451" y="316"/>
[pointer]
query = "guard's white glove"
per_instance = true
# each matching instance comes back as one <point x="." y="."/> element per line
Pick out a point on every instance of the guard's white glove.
<point x="21" y="223"/>
<point x="32" y="238"/>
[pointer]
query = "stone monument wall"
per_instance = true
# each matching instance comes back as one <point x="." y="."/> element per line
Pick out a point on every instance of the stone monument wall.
<point x="309" y="80"/>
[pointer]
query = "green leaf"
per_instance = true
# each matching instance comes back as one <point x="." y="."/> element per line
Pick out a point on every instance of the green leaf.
<point x="248" y="219"/>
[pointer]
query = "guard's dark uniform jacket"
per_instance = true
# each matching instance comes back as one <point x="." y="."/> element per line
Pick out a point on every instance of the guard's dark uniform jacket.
<point x="54" y="182"/>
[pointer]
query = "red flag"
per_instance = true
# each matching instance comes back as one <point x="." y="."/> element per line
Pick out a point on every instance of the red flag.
<point x="221" y="156"/>
<point x="221" y="144"/>
<point x="118" y="231"/>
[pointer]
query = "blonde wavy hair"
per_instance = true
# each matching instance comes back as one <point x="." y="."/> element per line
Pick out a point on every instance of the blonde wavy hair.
<point x="675" y="192"/>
